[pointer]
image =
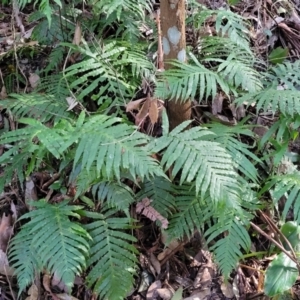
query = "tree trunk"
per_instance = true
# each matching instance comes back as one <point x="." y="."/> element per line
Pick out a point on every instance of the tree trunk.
<point x="172" y="14"/>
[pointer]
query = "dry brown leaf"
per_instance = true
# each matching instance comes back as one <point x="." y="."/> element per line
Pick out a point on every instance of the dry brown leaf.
<point x="5" y="269"/>
<point x="144" y="262"/>
<point x="134" y="105"/>
<point x="171" y="247"/>
<point x="197" y="260"/>
<point x="165" y="294"/>
<point x="14" y="212"/>
<point x="34" y="80"/>
<point x="153" y="111"/>
<point x="144" y="208"/>
<point x="30" y="191"/>
<point x="77" y="35"/>
<point x="227" y="290"/>
<point x="33" y="293"/>
<point x="6" y="231"/>
<point x="71" y="102"/>
<point x="152" y="293"/>
<point x="142" y="114"/>
<point x="184" y="281"/>
<point x="3" y="94"/>
<point x="199" y="295"/>
<point x="28" y="33"/>
<point x="57" y="282"/>
<point x="155" y="263"/>
<point x="217" y="104"/>
<point x="65" y="297"/>
<point x="46" y="284"/>
<point x="205" y="275"/>
<point x="238" y="112"/>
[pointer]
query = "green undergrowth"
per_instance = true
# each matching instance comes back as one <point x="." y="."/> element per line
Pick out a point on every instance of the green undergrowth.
<point x="212" y="178"/>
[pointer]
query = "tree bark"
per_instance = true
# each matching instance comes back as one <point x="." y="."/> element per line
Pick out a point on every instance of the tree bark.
<point x="172" y="14"/>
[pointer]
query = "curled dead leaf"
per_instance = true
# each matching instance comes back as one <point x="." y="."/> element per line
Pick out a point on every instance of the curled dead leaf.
<point x="6" y="230"/>
<point x="155" y="263"/>
<point x="77" y="34"/>
<point x="165" y="294"/>
<point x="3" y="94"/>
<point x="34" y="80"/>
<point x="152" y="293"/>
<point x="134" y="105"/>
<point x="33" y="293"/>
<point x="142" y="114"/>
<point x="5" y="269"/>
<point x="144" y="208"/>
<point x="153" y="111"/>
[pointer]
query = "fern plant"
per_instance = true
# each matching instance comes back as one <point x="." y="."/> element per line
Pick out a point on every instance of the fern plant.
<point x="115" y="68"/>
<point x="59" y="245"/>
<point x="128" y="15"/>
<point x="44" y="7"/>
<point x="227" y="23"/>
<point x="207" y="164"/>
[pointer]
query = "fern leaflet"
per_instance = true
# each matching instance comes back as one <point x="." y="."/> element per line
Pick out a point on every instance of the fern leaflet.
<point x="227" y="250"/>
<point x="113" y="257"/>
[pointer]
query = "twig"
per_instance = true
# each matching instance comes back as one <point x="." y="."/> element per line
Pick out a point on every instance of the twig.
<point x="271" y="223"/>
<point x="251" y="268"/>
<point x="50" y="181"/>
<point x="276" y="243"/>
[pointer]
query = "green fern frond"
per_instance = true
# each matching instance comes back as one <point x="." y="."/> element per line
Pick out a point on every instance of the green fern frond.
<point x="286" y="101"/>
<point x="56" y="140"/>
<point x="161" y="191"/>
<point x="124" y="6"/>
<point x="114" y="194"/>
<point x="216" y="47"/>
<point x="64" y="253"/>
<point x="193" y="213"/>
<point x="106" y="72"/>
<point x="186" y="80"/>
<point x="55" y="58"/>
<point x="287" y="185"/>
<point x="227" y="24"/>
<point x="191" y="155"/>
<point x="20" y="149"/>
<point x="284" y="129"/>
<point x="44" y="107"/>
<point x="117" y="146"/>
<point x="56" y="86"/>
<point x="24" y="257"/>
<point x="227" y="250"/>
<point x="136" y="60"/>
<point x="228" y="137"/>
<point x="15" y="164"/>
<point x="286" y="75"/>
<point x="113" y="257"/>
<point x="44" y="6"/>
<point x="239" y="72"/>
<point x="28" y="146"/>
<point x="233" y="25"/>
<point x="98" y="70"/>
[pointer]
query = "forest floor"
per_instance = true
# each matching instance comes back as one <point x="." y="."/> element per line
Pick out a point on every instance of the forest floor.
<point x="186" y="268"/>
